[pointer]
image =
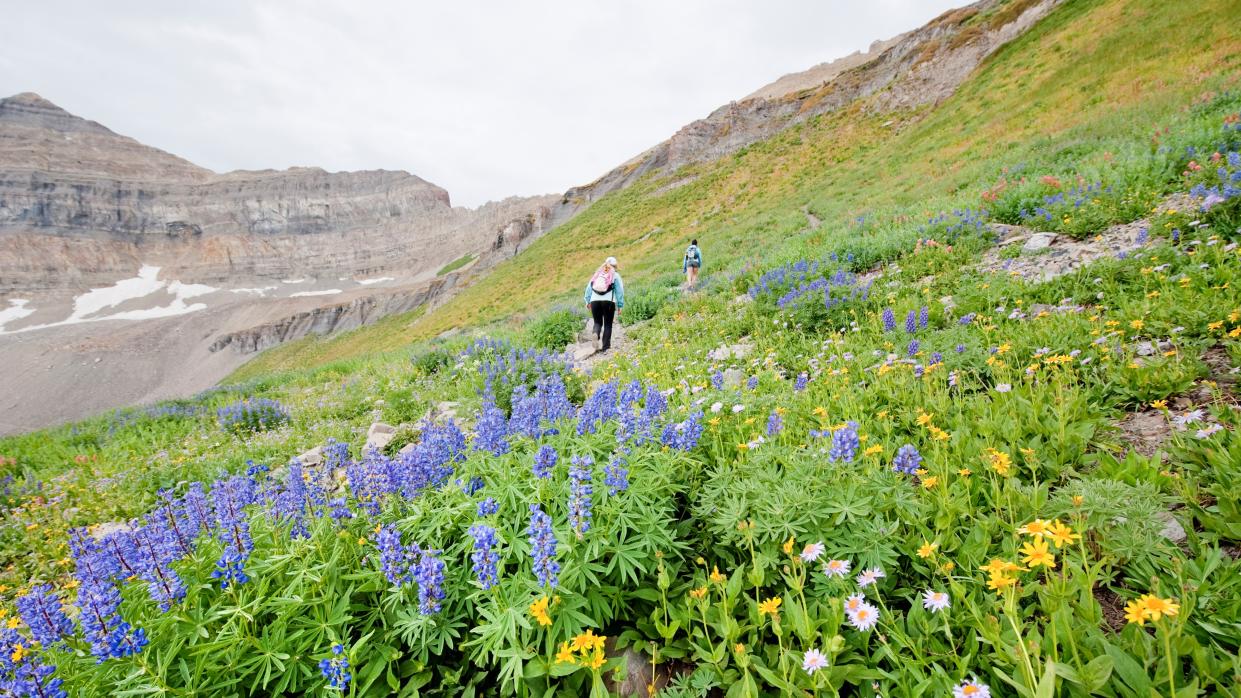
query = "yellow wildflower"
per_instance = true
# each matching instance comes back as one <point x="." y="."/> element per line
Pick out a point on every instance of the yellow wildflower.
<point x="698" y="593"/>
<point x="1036" y="528"/>
<point x="965" y="472"/>
<point x="538" y="610"/>
<point x="565" y="654"/>
<point x="871" y="450"/>
<point x="788" y="546"/>
<point x="1160" y="404"/>
<point x="19" y="651"/>
<point x="1036" y="553"/>
<point x="1060" y="533"/>
<point x="930" y="482"/>
<point x="716" y="577"/>
<point x="999" y="461"/>
<point x="923" y="418"/>
<point x="1155" y="608"/>
<point x="927" y="549"/>
<point x="770" y="606"/>
<point x="597" y="660"/>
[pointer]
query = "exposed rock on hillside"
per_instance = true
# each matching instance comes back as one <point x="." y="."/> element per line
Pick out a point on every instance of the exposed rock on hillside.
<point x="921" y="67"/>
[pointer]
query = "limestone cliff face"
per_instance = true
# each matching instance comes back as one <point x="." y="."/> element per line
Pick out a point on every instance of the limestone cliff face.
<point x="921" y="67"/>
<point x="81" y="205"/>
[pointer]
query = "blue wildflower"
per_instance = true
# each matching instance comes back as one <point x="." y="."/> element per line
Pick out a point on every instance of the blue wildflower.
<point x="924" y="316"/>
<point x="907" y="460"/>
<point x="543" y="547"/>
<point x="108" y="634"/>
<point x="580" y="491"/>
<point x="336" y="670"/>
<point x="491" y="430"/>
<point x="484" y="556"/>
<point x="488" y="506"/>
<point x="845" y="443"/>
<point x="913" y="348"/>
<point x="717" y="380"/>
<point x="40" y="609"/>
<point x="429" y="573"/>
<point x="911" y="322"/>
<point x="800" y="384"/>
<point x="616" y="475"/>
<point x="775" y="424"/>
<point x="544" y="461"/>
<point x="393" y="556"/>
<point x="889" y="320"/>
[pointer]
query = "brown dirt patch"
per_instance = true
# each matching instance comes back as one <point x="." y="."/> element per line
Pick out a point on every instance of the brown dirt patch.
<point x="1145" y="432"/>
<point x="1113" y="608"/>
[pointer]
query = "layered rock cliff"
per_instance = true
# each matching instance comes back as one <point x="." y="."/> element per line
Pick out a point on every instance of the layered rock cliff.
<point x="81" y="205"/>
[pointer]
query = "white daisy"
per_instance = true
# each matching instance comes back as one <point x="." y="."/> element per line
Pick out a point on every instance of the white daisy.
<point x="813" y="661"/>
<point x="812" y="551"/>
<point x="717" y="406"/>
<point x="865" y="617"/>
<point x="738" y="408"/>
<point x="870" y="576"/>
<point x="935" y="601"/>
<point x="1207" y="431"/>
<point x="971" y="689"/>
<point x="836" y="568"/>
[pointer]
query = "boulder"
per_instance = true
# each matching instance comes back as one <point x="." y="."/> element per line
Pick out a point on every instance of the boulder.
<point x="733" y="378"/>
<point x="312" y="457"/>
<point x="379" y="436"/>
<point x="442" y="412"/>
<point x="1038" y="242"/>
<point x="107" y="528"/>
<point x="724" y="352"/>
<point x="1172" y="528"/>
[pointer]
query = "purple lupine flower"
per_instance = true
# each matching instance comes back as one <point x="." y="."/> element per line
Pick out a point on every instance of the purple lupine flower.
<point x="924" y="316"/>
<point x="472" y="486"/>
<point x="907" y="460"/>
<point x="960" y="348"/>
<point x="911" y="322"/>
<point x="581" y="473"/>
<point x="1176" y="235"/>
<point x="484" y="556"/>
<point x="967" y="318"/>
<point x="289" y="505"/>
<point x="156" y="553"/>
<point x="544" y="461"/>
<point x="598" y="409"/>
<point x="336" y="670"/>
<point x="393" y="556"/>
<point x="108" y="634"/>
<point x="752" y="383"/>
<point x="913" y="348"/>
<point x="40" y="609"/>
<point x="429" y="573"/>
<point x="338" y="509"/>
<point x="27" y="676"/>
<point x="229" y="498"/>
<point x="526" y="413"/>
<point x="1143" y="235"/>
<point x="616" y="475"/>
<point x="174" y="516"/>
<point x="491" y="430"/>
<point x="656" y="403"/>
<point x="845" y="443"/>
<point x="775" y="424"/>
<point x="802" y="379"/>
<point x="488" y="506"/>
<point x="120" y="552"/>
<point x="889" y="320"/>
<point x="543" y="547"/>
<point x="683" y="435"/>
<point x="936" y="358"/>
<point x="717" y="380"/>
<point x="919" y="370"/>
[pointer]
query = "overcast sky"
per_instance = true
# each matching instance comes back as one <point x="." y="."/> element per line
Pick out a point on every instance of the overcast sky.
<point x="486" y="99"/>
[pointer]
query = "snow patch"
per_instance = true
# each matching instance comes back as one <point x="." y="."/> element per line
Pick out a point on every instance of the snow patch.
<point x="380" y="280"/>
<point x="262" y="291"/>
<point x="293" y="281"/>
<point x="328" y="292"/>
<point x="86" y="307"/>
<point x="17" y="310"/>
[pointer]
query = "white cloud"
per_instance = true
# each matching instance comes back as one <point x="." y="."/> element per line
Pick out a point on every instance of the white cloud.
<point x="486" y="99"/>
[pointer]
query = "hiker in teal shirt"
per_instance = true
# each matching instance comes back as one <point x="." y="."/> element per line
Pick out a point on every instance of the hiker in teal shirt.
<point x="605" y="296"/>
<point x="693" y="261"/>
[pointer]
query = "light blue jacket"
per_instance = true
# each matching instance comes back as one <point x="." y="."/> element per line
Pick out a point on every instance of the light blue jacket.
<point x="617" y="294"/>
<point x="691" y="251"/>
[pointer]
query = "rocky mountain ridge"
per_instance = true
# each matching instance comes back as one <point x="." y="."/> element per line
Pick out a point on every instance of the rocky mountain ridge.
<point x="918" y="68"/>
<point x="81" y="205"/>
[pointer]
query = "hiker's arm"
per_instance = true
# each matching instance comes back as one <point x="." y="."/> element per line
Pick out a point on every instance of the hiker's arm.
<point x="620" y="294"/>
<point x="587" y="294"/>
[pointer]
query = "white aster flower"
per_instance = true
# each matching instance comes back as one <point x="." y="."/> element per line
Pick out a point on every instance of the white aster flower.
<point x="935" y="601"/>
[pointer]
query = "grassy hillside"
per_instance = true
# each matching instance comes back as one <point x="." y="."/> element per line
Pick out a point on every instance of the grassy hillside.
<point x="1047" y="97"/>
<point x="952" y="468"/>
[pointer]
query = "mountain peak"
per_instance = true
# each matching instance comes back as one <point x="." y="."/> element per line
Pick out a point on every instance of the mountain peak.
<point x="30" y="99"/>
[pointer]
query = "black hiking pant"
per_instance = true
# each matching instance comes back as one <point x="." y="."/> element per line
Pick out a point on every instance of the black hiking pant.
<point x="603" y="313"/>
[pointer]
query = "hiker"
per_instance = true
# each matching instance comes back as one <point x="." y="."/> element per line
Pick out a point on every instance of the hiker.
<point x="693" y="261"/>
<point x="605" y="296"/>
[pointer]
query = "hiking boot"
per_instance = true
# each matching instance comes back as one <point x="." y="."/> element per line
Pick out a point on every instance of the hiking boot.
<point x="594" y="342"/>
